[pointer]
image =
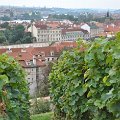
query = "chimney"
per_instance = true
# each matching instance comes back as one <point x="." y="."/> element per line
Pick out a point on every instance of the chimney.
<point x="34" y="60"/>
<point x="9" y="50"/>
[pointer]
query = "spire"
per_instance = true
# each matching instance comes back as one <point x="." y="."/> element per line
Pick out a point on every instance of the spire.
<point x="108" y="14"/>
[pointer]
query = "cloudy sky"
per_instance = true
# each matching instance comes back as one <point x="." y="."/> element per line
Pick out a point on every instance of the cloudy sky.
<point x="105" y="4"/>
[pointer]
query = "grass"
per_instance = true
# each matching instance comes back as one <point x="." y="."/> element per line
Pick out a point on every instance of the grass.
<point x="44" y="116"/>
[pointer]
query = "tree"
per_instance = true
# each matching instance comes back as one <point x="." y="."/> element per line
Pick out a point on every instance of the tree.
<point x="5" y="18"/>
<point x="2" y="37"/>
<point x="44" y="89"/>
<point x="43" y="83"/>
<point x="18" y="33"/>
<point x="4" y="25"/>
<point x="27" y="38"/>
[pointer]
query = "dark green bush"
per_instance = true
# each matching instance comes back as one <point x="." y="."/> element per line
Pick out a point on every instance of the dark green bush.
<point x="14" y="92"/>
<point x="40" y="106"/>
<point x="85" y="84"/>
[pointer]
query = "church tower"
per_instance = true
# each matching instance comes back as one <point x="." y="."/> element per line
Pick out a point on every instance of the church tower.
<point x="107" y="19"/>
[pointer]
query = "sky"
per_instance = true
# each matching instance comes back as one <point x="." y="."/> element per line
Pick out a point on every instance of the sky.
<point x="104" y="4"/>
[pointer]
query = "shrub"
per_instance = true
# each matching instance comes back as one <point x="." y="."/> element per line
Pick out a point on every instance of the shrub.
<point x="85" y="84"/>
<point x="44" y="116"/>
<point x="40" y="106"/>
<point x="14" y="93"/>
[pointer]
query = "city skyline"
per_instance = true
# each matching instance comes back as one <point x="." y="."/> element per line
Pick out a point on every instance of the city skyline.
<point x="99" y="4"/>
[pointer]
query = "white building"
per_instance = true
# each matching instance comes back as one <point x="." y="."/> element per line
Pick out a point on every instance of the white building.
<point x="86" y="27"/>
<point x="43" y="33"/>
<point x="74" y="34"/>
<point x="33" y="60"/>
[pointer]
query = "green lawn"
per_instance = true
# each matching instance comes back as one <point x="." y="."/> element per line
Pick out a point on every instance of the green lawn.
<point x="44" y="116"/>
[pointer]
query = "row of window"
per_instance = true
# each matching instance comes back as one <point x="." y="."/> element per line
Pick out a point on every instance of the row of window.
<point x="45" y="40"/>
<point x="77" y="36"/>
<point x="57" y="35"/>
<point x="75" y="33"/>
<point x="48" y="31"/>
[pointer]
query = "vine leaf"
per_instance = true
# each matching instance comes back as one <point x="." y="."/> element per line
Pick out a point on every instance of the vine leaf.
<point x="3" y="81"/>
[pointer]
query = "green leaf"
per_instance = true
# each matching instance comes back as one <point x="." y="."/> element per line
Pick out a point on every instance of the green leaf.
<point x="105" y="79"/>
<point x="97" y="103"/>
<point x="109" y="59"/>
<point x="3" y="80"/>
<point x="89" y="94"/>
<point x="81" y="90"/>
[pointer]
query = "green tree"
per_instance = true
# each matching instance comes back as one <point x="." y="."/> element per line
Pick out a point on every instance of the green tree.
<point x="2" y="37"/>
<point x="5" y="18"/>
<point x="18" y="33"/>
<point x="43" y="84"/>
<point x="4" y="25"/>
<point x="27" y="38"/>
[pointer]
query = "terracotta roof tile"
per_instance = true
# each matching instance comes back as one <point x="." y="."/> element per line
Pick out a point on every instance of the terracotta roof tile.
<point x="64" y="31"/>
<point x="110" y="28"/>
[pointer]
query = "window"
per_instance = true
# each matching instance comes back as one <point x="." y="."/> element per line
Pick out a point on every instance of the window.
<point x="52" y="53"/>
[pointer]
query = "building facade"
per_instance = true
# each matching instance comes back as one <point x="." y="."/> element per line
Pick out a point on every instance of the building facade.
<point x="44" y="33"/>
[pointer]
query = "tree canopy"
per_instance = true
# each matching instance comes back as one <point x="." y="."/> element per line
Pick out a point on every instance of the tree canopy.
<point x="15" y="35"/>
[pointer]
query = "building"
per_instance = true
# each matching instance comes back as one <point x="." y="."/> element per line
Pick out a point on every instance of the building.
<point x="93" y="29"/>
<point x="33" y="60"/>
<point x="45" y="33"/>
<point x="74" y="34"/>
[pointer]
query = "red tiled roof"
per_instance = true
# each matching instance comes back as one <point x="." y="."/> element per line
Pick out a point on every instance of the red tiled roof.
<point x="29" y="53"/>
<point x="44" y="50"/>
<point x="110" y="28"/>
<point x="61" y="45"/>
<point x="40" y="63"/>
<point x="21" y="55"/>
<point x="41" y="26"/>
<point x="64" y="31"/>
<point x="2" y="51"/>
<point x="53" y="24"/>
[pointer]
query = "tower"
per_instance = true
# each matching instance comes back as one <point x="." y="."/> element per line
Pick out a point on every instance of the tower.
<point x="107" y="17"/>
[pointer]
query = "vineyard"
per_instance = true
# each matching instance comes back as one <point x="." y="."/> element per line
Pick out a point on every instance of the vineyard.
<point x="85" y="82"/>
<point x="14" y="93"/>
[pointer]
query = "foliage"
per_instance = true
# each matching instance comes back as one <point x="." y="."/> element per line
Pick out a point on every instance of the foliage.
<point x="39" y="106"/>
<point x="43" y="84"/>
<point x="85" y="84"/>
<point x="5" y="18"/>
<point x="16" y="35"/>
<point x="88" y="17"/>
<point x="31" y="16"/>
<point x="45" y="116"/>
<point x="4" y="25"/>
<point x="2" y="37"/>
<point x="63" y="16"/>
<point x="14" y="92"/>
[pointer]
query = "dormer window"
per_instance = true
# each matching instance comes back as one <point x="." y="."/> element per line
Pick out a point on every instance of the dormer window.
<point x="20" y="55"/>
<point x="42" y="53"/>
<point x="52" y="53"/>
<point x="9" y="50"/>
<point x="23" y="50"/>
<point x="29" y="63"/>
